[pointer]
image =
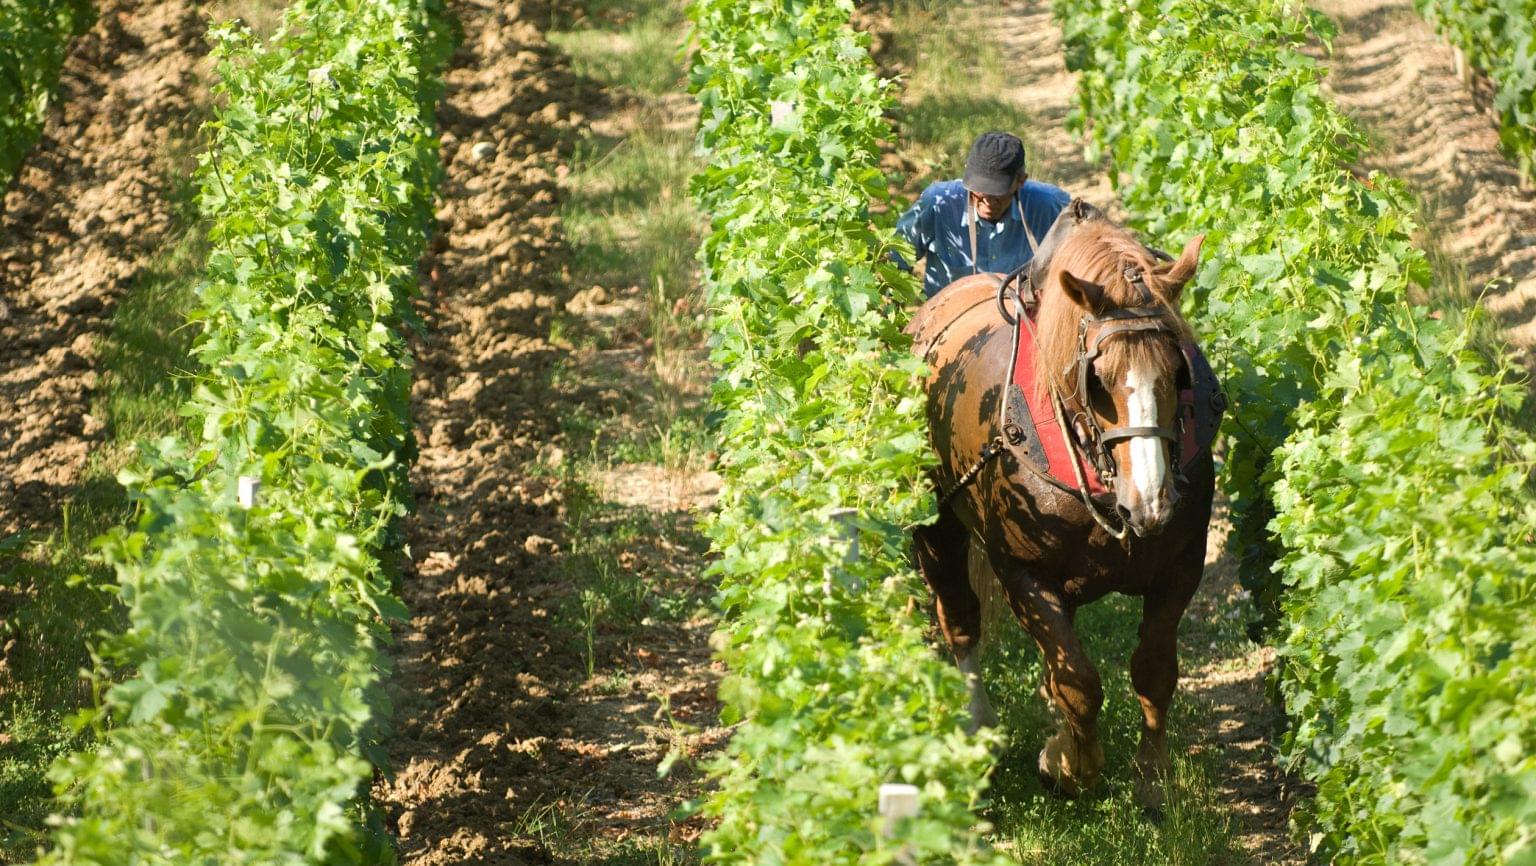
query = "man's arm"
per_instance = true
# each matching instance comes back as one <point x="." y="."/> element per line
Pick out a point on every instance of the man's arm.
<point x="916" y="225"/>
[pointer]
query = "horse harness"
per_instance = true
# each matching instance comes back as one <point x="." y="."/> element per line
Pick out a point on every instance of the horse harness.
<point x="1013" y="432"/>
<point x="1095" y="443"/>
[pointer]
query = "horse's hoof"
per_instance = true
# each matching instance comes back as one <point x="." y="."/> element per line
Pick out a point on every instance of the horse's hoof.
<point x="1053" y="787"/>
<point x="1064" y="771"/>
<point x="982" y="716"/>
<point x="1150" y="795"/>
<point x="1153" y="775"/>
<point x="1056" y="783"/>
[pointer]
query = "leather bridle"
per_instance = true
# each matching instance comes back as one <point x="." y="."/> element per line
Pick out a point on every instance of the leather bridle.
<point x="1093" y="331"/>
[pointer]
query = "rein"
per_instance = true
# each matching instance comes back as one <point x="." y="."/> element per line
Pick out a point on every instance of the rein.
<point x="1029" y="236"/>
<point x="1023" y="296"/>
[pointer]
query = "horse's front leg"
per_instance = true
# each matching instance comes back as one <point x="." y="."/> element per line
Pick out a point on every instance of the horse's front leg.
<point x="1154" y="676"/>
<point x="1073" y="759"/>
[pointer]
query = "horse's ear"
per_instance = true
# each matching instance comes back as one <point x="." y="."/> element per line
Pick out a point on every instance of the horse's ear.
<point x="1089" y="296"/>
<point x="1181" y="271"/>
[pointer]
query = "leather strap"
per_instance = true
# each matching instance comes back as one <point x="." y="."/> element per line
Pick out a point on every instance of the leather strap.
<point x="1118" y="433"/>
<point x="1093" y="331"/>
<point x="1135" y="277"/>
<point x="1034" y="245"/>
<point x="970" y="207"/>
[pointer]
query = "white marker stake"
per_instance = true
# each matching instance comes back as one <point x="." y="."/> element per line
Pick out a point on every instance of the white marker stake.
<point x="781" y="114"/>
<point x="248" y="489"/>
<point x="897" y="802"/>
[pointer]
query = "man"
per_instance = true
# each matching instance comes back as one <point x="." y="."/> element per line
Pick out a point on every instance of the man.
<point x="991" y="221"/>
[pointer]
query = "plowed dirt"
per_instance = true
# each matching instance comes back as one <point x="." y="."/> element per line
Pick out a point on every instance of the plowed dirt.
<point x="87" y="209"/>
<point x="506" y="750"/>
<point x="1400" y="81"/>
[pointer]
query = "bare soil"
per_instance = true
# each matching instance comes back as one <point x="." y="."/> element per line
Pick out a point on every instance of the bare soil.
<point x="1045" y="88"/>
<point x="1430" y="127"/>
<point x="506" y="751"/>
<point x="1252" y="785"/>
<point x="85" y="212"/>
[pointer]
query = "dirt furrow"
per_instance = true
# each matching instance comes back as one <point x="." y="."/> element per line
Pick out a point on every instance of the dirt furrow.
<point x="87" y="209"/>
<point x="507" y="748"/>
<point x="1394" y="75"/>
<point x="1249" y="782"/>
<point x="468" y="689"/>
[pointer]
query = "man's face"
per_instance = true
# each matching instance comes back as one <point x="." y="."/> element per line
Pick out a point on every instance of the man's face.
<point x="994" y="207"/>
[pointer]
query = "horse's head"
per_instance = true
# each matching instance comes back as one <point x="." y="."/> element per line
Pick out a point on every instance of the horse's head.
<point x="1109" y="342"/>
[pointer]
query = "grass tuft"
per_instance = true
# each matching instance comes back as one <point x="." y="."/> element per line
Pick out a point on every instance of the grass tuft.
<point x="1105" y="826"/>
<point x="954" y="85"/>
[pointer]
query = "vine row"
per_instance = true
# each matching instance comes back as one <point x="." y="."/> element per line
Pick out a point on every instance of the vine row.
<point x="1378" y="486"/>
<point x="832" y="686"/>
<point x="34" y="37"/>
<point x="244" y="730"/>
<point x="1498" y="37"/>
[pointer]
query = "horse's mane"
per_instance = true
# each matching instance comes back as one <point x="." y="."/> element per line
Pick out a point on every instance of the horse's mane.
<point x="1097" y="252"/>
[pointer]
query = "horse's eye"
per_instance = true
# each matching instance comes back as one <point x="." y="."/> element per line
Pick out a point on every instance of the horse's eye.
<point x="1100" y="393"/>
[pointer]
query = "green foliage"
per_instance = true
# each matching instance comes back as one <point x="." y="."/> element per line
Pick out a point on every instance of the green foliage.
<point x="245" y="733"/>
<point x="34" y="37"/>
<point x="1367" y="436"/>
<point x="52" y="598"/>
<point x="1498" y="37"/>
<point x="832" y="684"/>
<point x="56" y="593"/>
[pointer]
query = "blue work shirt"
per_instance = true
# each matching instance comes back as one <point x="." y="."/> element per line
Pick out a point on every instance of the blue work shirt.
<point x="938" y="226"/>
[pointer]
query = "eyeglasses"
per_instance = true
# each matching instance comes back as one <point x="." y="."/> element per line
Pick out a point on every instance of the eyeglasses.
<point x="996" y="201"/>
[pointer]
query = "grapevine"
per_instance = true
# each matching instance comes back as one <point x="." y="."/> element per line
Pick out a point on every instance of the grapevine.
<point x="1499" y="37"/>
<point x="833" y="686"/>
<point x="34" y="36"/>
<point x="247" y="727"/>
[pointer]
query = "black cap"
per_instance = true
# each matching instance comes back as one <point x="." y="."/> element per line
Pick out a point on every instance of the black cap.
<point x="996" y="161"/>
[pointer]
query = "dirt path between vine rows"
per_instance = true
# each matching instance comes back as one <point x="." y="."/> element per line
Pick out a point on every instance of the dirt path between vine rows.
<point x="87" y="209"/>
<point x="506" y="750"/>
<point x="1250" y="785"/>
<point x="1399" y="80"/>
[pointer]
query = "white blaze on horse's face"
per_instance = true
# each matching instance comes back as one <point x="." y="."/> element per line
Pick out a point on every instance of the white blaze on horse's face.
<point x="1149" y="454"/>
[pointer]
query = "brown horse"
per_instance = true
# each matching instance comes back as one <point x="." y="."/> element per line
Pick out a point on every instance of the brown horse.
<point x="1107" y="339"/>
